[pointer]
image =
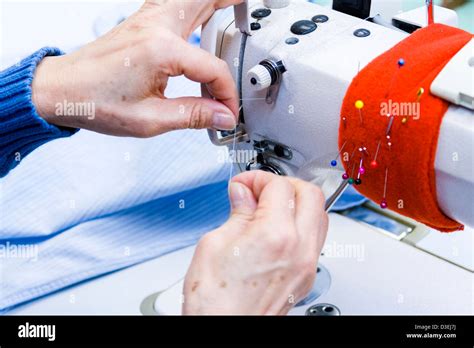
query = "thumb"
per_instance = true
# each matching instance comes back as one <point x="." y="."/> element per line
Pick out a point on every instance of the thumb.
<point x="243" y="204"/>
<point x="196" y="113"/>
<point x="242" y="200"/>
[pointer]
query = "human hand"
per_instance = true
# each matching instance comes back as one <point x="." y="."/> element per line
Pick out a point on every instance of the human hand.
<point x="122" y="76"/>
<point x="263" y="260"/>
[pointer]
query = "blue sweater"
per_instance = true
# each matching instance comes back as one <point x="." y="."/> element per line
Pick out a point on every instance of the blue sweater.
<point x="21" y="128"/>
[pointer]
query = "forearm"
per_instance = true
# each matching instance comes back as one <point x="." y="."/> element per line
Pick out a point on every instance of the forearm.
<point x="22" y="129"/>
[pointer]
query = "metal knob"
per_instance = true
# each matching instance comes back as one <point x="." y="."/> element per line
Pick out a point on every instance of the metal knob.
<point x="260" y="77"/>
<point x="266" y="74"/>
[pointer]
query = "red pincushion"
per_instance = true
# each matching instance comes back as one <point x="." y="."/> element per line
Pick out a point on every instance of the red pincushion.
<point x="409" y="161"/>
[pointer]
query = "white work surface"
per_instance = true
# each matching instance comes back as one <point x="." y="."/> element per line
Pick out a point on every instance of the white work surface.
<point x="385" y="276"/>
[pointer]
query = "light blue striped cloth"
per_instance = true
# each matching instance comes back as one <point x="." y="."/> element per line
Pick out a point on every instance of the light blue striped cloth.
<point x="92" y="204"/>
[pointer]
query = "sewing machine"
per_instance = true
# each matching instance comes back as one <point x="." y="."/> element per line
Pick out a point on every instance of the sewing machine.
<point x="293" y="69"/>
<point x="290" y="128"/>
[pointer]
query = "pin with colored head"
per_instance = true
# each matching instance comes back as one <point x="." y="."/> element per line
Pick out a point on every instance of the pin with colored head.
<point x="363" y="151"/>
<point x="374" y="163"/>
<point x="390" y="123"/>
<point x="334" y="161"/>
<point x="359" y="104"/>
<point x="361" y="170"/>
<point x="383" y="203"/>
<point x="419" y="94"/>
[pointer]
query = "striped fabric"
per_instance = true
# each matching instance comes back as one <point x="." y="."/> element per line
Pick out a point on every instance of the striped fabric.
<point x="92" y="204"/>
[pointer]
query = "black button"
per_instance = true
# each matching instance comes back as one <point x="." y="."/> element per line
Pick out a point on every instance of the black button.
<point x="362" y="32"/>
<point x="292" y="40"/>
<point x="255" y="26"/>
<point x="320" y="18"/>
<point x="303" y="27"/>
<point x="261" y="13"/>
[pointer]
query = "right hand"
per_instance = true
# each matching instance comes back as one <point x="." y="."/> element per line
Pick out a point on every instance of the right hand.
<point x="263" y="260"/>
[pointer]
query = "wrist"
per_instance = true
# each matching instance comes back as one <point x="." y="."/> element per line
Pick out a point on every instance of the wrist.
<point x="48" y="89"/>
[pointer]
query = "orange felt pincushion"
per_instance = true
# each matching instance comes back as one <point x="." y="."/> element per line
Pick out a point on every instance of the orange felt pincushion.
<point x="390" y="125"/>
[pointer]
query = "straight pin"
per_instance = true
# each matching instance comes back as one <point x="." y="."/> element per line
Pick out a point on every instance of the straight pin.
<point x="359" y="104"/>
<point x="390" y="122"/>
<point x="361" y="171"/>
<point x="374" y="163"/>
<point x="351" y="180"/>
<point x="345" y="176"/>
<point x="419" y="94"/>
<point x="401" y="63"/>
<point x="430" y="11"/>
<point x="383" y="203"/>
<point x="334" y="162"/>
<point x="352" y="154"/>
<point x="361" y="167"/>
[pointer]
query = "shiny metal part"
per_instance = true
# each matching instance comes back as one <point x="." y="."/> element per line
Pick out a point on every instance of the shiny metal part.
<point x="335" y="196"/>
<point x="323" y="309"/>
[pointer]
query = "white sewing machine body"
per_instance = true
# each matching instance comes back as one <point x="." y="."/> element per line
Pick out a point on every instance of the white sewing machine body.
<point x="303" y="115"/>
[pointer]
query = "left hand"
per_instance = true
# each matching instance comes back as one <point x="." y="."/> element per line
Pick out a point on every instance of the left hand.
<point x="125" y="72"/>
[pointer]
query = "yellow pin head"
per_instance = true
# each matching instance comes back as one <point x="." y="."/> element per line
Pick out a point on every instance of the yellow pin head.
<point x="359" y="104"/>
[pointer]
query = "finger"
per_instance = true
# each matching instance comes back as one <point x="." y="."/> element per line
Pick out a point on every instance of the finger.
<point x="190" y="14"/>
<point x="321" y="238"/>
<point x="227" y="3"/>
<point x="275" y="195"/>
<point x="243" y="204"/>
<point x="309" y="212"/>
<point x="242" y="200"/>
<point x="201" y="66"/>
<point x="256" y="180"/>
<point x="194" y="113"/>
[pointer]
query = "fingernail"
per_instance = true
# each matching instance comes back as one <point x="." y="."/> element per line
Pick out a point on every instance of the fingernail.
<point x="237" y="194"/>
<point x="222" y="121"/>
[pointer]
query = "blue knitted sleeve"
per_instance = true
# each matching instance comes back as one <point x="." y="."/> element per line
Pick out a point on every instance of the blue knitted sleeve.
<point x="21" y="128"/>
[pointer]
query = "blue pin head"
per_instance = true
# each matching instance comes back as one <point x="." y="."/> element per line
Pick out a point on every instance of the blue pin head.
<point x="401" y="62"/>
<point x="333" y="163"/>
